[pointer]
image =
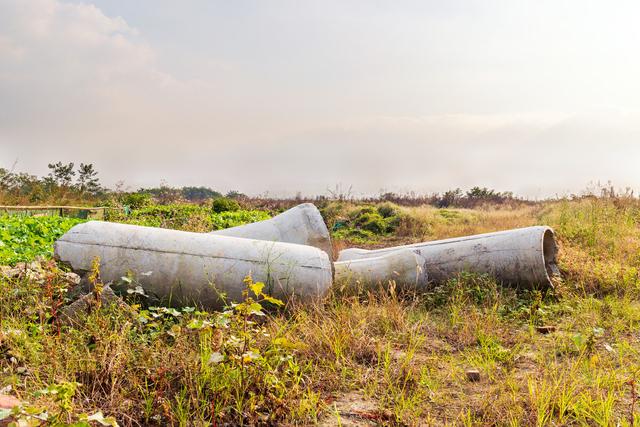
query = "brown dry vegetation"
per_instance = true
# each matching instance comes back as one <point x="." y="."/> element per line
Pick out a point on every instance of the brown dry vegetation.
<point x="379" y="358"/>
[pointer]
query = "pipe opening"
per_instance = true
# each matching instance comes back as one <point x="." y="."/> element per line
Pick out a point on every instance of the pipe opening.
<point x="550" y="254"/>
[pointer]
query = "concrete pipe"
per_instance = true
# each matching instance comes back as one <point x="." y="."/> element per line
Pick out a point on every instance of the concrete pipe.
<point x="405" y="267"/>
<point x="525" y="256"/>
<point x="185" y="269"/>
<point x="301" y="224"/>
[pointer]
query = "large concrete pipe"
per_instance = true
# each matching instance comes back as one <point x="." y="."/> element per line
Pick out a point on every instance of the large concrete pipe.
<point x="525" y="256"/>
<point x="182" y="268"/>
<point x="405" y="267"/>
<point x="301" y="224"/>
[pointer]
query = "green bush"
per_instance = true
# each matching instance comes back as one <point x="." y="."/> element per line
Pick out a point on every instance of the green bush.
<point x="333" y="213"/>
<point x="224" y="204"/>
<point x="373" y="222"/>
<point x="137" y="200"/>
<point x="356" y="213"/>
<point x="354" y="235"/>
<point x="387" y="210"/>
<point x="366" y="222"/>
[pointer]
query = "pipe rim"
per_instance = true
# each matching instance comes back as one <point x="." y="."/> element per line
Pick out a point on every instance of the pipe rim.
<point x="549" y="251"/>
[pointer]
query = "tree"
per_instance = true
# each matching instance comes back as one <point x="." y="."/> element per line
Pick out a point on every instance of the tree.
<point x="6" y="179"/>
<point x="477" y="193"/>
<point x="61" y="174"/>
<point x="233" y="194"/>
<point x="199" y="193"/>
<point x="87" y="179"/>
<point x="449" y="198"/>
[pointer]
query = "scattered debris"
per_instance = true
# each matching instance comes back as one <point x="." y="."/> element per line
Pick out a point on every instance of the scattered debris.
<point x="548" y="329"/>
<point x="72" y="313"/>
<point x="473" y="375"/>
<point x="354" y="409"/>
<point x="35" y="272"/>
<point x="8" y="402"/>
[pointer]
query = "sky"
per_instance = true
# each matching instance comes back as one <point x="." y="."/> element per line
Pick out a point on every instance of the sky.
<point x="541" y="98"/>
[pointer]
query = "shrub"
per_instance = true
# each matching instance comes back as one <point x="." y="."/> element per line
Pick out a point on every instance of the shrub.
<point x="354" y="235"/>
<point x="137" y="200"/>
<point x="224" y="204"/>
<point x="333" y="213"/>
<point x="373" y="222"/>
<point x="355" y="214"/>
<point x="364" y="222"/>
<point x="388" y="210"/>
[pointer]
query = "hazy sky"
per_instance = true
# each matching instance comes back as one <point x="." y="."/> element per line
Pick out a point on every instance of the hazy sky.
<point x="537" y="97"/>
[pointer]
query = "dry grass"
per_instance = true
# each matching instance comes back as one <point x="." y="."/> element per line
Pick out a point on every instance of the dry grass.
<point x="377" y="358"/>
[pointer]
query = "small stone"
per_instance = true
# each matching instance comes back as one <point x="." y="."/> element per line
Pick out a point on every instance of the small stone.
<point x="8" y="402"/>
<point x="473" y="375"/>
<point x="73" y="312"/>
<point x="545" y="329"/>
<point x="71" y="278"/>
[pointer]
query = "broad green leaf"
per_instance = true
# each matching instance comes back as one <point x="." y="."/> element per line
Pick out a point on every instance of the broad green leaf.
<point x="102" y="420"/>
<point x="273" y="300"/>
<point x="257" y="288"/>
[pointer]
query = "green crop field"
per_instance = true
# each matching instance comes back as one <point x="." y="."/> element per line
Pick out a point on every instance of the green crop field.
<point x="24" y="238"/>
<point x="374" y="358"/>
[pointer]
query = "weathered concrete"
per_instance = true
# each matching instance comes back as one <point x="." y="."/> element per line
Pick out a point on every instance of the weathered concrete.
<point x="405" y="267"/>
<point x="183" y="268"/>
<point x="301" y="224"/>
<point x="525" y="256"/>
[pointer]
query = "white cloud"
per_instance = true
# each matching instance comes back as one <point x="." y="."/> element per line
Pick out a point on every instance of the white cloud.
<point x="70" y="60"/>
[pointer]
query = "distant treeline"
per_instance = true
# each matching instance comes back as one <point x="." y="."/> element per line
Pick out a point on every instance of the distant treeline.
<point x="64" y="182"/>
<point x="67" y="184"/>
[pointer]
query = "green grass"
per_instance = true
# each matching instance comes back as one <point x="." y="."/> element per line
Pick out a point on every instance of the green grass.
<point x="380" y="356"/>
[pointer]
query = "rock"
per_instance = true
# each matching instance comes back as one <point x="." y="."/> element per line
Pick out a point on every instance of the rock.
<point x="35" y="272"/>
<point x="32" y="271"/>
<point x="71" y="278"/>
<point x="8" y="402"/>
<point x="545" y="329"/>
<point x="72" y="313"/>
<point x="473" y="375"/>
<point x="353" y="409"/>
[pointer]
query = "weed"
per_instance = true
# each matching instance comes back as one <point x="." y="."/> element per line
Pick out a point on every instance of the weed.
<point x="405" y="356"/>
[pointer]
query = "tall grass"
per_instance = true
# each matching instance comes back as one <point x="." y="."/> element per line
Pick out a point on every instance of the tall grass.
<point x="380" y="357"/>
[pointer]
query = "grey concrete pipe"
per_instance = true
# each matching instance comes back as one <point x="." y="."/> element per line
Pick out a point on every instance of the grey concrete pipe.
<point x="301" y="224"/>
<point x="405" y="267"/>
<point x="183" y="268"/>
<point x="525" y="256"/>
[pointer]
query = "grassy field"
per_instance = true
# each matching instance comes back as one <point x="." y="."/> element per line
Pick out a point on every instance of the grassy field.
<point x="378" y="358"/>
